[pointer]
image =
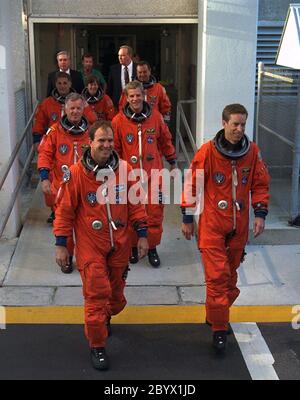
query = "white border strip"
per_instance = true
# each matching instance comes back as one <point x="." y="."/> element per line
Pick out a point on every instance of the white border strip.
<point x="255" y="351"/>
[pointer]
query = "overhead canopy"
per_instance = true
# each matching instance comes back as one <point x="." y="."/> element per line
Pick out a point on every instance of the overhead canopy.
<point x="288" y="54"/>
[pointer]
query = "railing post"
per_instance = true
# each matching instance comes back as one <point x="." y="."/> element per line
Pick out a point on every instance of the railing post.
<point x="260" y="74"/>
<point x="177" y="129"/>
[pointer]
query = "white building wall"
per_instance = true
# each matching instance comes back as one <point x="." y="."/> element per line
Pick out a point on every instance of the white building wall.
<point x="226" y="62"/>
<point x="12" y="76"/>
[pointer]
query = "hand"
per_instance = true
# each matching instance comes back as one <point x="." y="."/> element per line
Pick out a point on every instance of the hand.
<point x="188" y="230"/>
<point x="258" y="226"/>
<point x="36" y="146"/>
<point x="61" y="256"/>
<point x="143" y="247"/>
<point x="46" y="186"/>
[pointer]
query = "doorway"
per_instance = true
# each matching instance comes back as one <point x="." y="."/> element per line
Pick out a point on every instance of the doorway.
<point x="171" y="50"/>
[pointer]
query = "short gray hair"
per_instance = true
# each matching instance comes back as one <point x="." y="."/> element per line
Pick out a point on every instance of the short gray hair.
<point x="63" y="52"/>
<point x="74" y="97"/>
<point x="129" y="49"/>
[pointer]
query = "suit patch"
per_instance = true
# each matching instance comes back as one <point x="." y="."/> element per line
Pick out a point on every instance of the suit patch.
<point x="150" y="131"/>
<point x="244" y="180"/>
<point x="129" y="138"/>
<point x="246" y="170"/>
<point x="152" y="100"/>
<point x="150" y="139"/>
<point x="219" y="178"/>
<point x="54" y="116"/>
<point x="91" y="198"/>
<point x="63" y="148"/>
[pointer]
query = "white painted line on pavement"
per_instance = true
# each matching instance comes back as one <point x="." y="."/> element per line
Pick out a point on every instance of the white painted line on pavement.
<point x="255" y="351"/>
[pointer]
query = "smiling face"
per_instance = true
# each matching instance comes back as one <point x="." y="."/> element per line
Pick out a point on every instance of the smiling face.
<point x="102" y="145"/>
<point x="87" y="64"/>
<point x="235" y="127"/>
<point x="135" y="98"/>
<point x="92" y="88"/>
<point x="63" y="86"/>
<point x="143" y="73"/>
<point x="74" y="110"/>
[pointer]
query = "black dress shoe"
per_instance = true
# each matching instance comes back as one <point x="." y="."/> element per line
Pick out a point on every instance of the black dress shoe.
<point x="228" y="332"/>
<point x="219" y="341"/>
<point x="153" y="258"/>
<point x="67" y="269"/>
<point x="134" y="258"/>
<point x="99" y="358"/>
<point x="51" y="218"/>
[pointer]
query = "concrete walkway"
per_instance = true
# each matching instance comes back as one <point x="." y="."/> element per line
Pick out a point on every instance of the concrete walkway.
<point x="29" y="276"/>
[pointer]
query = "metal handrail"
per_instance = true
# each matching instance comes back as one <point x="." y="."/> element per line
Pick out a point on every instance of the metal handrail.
<point x="179" y="139"/>
<point x="8" y="168"/>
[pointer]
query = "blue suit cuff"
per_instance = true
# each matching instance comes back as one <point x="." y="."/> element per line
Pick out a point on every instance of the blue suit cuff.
<point x="61" y="241"/>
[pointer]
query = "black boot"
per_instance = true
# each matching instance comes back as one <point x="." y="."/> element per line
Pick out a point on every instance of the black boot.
<point x="219" y="340"/>
<point x="228" y="332"/>
<point x="153" y="258"/>
<point x="99" y="358"/>
<point x="67" y="269"/>
<point x="134" y="258"/>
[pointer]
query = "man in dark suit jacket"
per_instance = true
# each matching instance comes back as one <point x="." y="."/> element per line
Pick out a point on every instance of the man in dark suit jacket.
<point x="117" y="78"/>
<point x="64" y="62"/>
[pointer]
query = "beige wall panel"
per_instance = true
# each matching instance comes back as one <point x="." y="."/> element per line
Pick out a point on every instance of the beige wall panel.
<point x="92" y="8"/>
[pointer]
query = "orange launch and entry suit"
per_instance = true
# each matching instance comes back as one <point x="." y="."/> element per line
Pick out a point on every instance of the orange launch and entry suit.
<point x="155" y="96"/>
<point x="101" y="236"/>
<point x="141" y="140"/>
<point x="224" y="221"/>
<point x="59" y="149"/>
<point x="50" y="111"/>
<point x="101" y="104"/>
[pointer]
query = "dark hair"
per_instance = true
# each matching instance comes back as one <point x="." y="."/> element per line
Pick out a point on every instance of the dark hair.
<point x="87" y="55"/>
<point x="74" y="97"/>
<point x="92" y="79"/>
<point x="233" y="109"/>
<point x="97" y="125"/>
<point x="61" y="74"/>
<point x="140" y="63"/>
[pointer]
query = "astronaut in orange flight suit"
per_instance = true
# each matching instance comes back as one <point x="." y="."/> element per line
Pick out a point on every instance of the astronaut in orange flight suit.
<point x="230" y="167"/>
<point x="155" y="93"/>
<point x="61" y="148"/>
<point x="52" y="109"/>
<point x="97" y="100"/>
<point x="94" y="201"/>
<point x="142" y="138"/>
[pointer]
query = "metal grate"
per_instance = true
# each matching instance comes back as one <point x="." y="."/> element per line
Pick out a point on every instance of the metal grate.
<point x="268" y="40"/>
<point x="20" y="107"/>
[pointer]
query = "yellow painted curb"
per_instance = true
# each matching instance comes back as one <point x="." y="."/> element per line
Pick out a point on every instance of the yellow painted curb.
<point x="176" y="314"/>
